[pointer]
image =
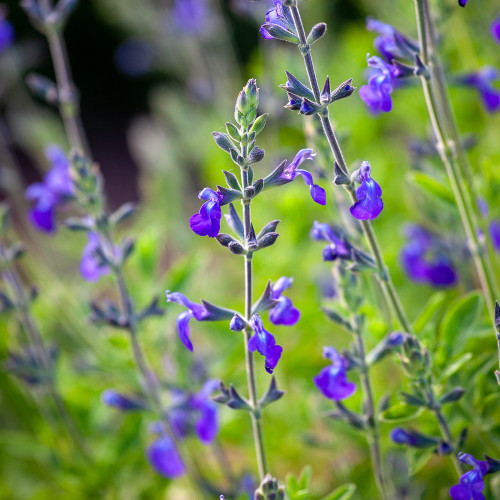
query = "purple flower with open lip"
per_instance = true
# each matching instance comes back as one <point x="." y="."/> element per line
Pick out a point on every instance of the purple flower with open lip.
<point x="495" y="29"/>
<point x="337" y="248"/>
<point x="425" y="261"/>
<point x="318" y="194"/>
<point x="56" y="188"/>
<point x="6" y="30"/>
<point x="277" y="17"/>
<point x="207" y="221"/>
<point x="332" y="380"/>
<point x="264" y="343"/>
<point x="482" y="81"/>
<point x="197" y="311"/>
<point x="369" y="204"/>
<point x="377" y="94"/>
<point x="284" y="312"/>
<point x="471" y="483"/>
<point x="165" y="458"/>
<point x="120" y="401"/>
<point x="92" y="267"/>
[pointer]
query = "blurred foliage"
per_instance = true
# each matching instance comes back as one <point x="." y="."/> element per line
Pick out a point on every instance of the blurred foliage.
<point x="186" y="93"/>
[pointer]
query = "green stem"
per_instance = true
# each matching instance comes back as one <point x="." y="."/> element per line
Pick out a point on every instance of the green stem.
<point x="256" y="416"/>
<point x="384" y="276"/>
<point x="69" y="105"/>
<point x="390" y="293"/>
<point x="149" y="380"/>
<point x="451" y="152"/>
<point x="374" y="433"/>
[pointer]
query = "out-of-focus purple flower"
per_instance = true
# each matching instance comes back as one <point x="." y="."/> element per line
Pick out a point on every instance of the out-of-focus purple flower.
<point x="369" y="204"/>
<point x="413" y="438"/>
<point x="190" y="16"/>
<point x="424" y="261"/>
<point x="462" y="3"/>
<point x="402" y="436"/>
<point x="207" y="423"/>
<point x="195" y="412"/>
<point x="318" y="194"/>
<point x="264" y="343"/>
<point x="56" y="188"/>
<point x="377" y="94"/>
<point x="278" y="17"/>
<point x="6" y="31"/>
<point x="495" y="29"/>
<point x="196" y="311"/>
<point x="134" y="57"/>
<point x="332" y="380"/>
<point x="494" y="230"/>
<point x="391" y="43"/>
<point x="471" y="483"/>
<point x="165" y="459"/>
<point x="337" y="248"/>
<point x="120" y="401"/>
<point x="284" y="312"/>
<point x="92" y="267"/>
<point x="207" y="221"/>
<point x="482" y="81"/>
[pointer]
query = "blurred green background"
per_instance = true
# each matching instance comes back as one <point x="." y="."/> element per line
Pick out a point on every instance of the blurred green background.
<point x="149" y="121"/>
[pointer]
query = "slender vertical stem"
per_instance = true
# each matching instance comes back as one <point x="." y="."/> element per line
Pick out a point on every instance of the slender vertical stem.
<point x="149" y="380"/>
<point x="385" y="279"/>
<point x="390" y="293"/>
<point x="258" y="433"/>
<point x="374" y="436"/>
<point x="69" y="106"/>
<point x="450" y="152"/>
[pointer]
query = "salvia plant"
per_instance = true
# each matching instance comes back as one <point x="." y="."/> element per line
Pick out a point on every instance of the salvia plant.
<point x="378" y="324"/>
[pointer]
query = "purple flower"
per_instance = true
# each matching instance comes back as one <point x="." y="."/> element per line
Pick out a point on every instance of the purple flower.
<point x="369" y="204"/>
<point x="332" y="380"/>
<point x="391" y="43"/>
<point x="207" y="423"/>
<point x="56" y="188"/>
<point x="337" y="248"/>
<point x="424" y="260"/>
<point x="494" y="230"/>
<point x="482" y="82"/>
<point x="92" y="267"/>
<point x="195" y="412"/>
<point x="119" y="401"/>
<point x="495" y="29"/>
<point x="377" y="94"/>
<point x="471" y="483"/>
<point x="190" y="15"/>
<point x="6" y="31"/>
<point x="413" y="438"/>
<point x="207" y="221"/>
<point x="264" y="342"/>
<point x="278" y="18"/>
<point x="165" y="459"/>
<point x="462" y="3"/>
<point x="200" y="313"/>
<point x="284" y="312"/>
<point x="318" y="194"/>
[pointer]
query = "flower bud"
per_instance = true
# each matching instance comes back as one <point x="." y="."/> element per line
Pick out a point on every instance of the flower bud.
<point x="237" y="324"/>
